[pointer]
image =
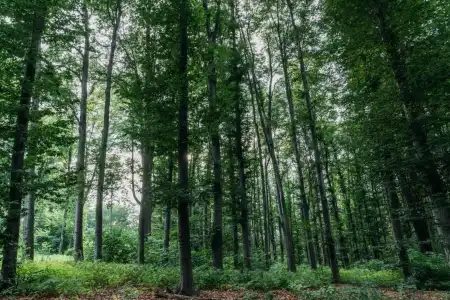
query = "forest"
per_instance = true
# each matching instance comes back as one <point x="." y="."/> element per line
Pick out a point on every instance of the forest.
<point x="225" y="149"/>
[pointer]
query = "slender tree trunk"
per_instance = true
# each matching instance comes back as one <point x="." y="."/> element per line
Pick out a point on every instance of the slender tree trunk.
<point x="212" y="33"/>
<point x="168" y="212"/>
<point x="234" y="202"/>
<point x="63" y="230"/>
<point x="416" y="211"/>
<point x="14" y="202"/>
<point x="394" y="203"/>
<point x="281" y="239"/>
<point x="270" y="216"/>
<point x="105" y="134"/>
<point x="81" y="164"/>
<point x="63" y="225"/>
<point x="348" y="209"/>
<point x="28" y="226"/>
<point x="416" y="119"/>
<point x="263" y="190"/>
<point x="30" y="199"/>
<point x="206" y="209"/>
<point x="242" y="192"/>
<point x="337" y="218"/>
<point x="186" y="278"/>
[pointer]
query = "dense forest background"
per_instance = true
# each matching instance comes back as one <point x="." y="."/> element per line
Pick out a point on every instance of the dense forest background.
<point x="232" y="134"/>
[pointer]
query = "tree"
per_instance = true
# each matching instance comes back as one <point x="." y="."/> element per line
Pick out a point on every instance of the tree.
<point x="13" y="204"/>
<point x="104" y="144"/>
<point x="184" y="239"/>
<point x="212" y="33"/>
<point x="81" y="171"/>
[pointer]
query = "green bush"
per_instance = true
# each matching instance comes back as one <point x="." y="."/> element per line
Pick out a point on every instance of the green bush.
<point x="119" y="245"/>
<point x="386" y="278"/>
<point x="430" y="271"/>
<point x="52" y="277"/>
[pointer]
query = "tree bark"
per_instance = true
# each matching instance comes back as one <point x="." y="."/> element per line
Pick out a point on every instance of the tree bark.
<point x="264" y="191"/>
<point x="145" y="207"/>
<point x="168" y="212"/>
<point x="212" y="33"/>
<point x="28" y="225"/>
<point x="234" y="202"/>
<point x="81" y="164"/>
<point x="416" y="211"/>
<point x="270" y="216"/>
<point x="394" y="203"/>
<point x="337" y="218"/>
<point x="14" y="202"/>
<point x="187" y="279"/>
<point x="242" y="191"/>
<point x="105" y="134"/>
<point x="348" y="209"/>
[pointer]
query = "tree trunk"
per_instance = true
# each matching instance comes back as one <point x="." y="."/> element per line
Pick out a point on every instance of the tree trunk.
<point x="63" y="230"/>
<point x="234" y="203"/>
<point x="242" y="192"/>
<point x="81" y="164"/>
<point x="186" y="278"/>
<point x="416" y="211"/>
<point x="394" y="203"/>
<point x="105" y="133"/>
<point x="216" y="239"/>
<point x="270" y="216"/>
<point x="168" y="212"/>
<point x="337" y="219"/>
<point x="14" y="202"/>
<point x="145" y="205"/>
<point x="264" y="192"/>
<point x="30" y="199"/>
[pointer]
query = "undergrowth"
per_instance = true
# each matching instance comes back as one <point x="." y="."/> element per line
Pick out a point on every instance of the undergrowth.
<point x="52" y="277"/>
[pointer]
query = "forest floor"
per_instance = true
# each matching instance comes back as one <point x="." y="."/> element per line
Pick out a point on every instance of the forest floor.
<point x="332" y="292"/>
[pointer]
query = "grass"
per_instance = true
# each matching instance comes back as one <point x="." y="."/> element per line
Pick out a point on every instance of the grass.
<point x="58" y="275"/>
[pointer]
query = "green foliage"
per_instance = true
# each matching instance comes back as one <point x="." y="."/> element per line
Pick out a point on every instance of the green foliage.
<point x="431" y="271"/>
<point x="119" y="245"/>
<point x="372" y="278"/>
<point x="51" y="276"/>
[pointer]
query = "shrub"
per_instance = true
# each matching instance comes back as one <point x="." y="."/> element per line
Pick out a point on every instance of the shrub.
<point x="431" y="271"/>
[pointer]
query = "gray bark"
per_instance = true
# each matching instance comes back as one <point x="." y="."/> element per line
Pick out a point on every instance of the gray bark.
<point x="105" y="134"/>
<point x="81" y="164"/>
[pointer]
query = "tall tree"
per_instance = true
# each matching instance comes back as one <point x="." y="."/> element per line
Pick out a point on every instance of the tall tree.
<point x="82" y="130"/>
<point x="184" y="239"/>
<point x="14" y="201"/>
<point x="212" y="33"/>
<point x="105" y="133"/>
<point x="236" y="78"/>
